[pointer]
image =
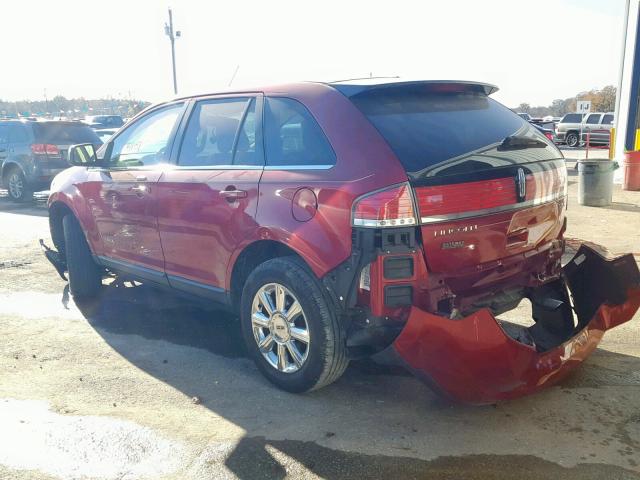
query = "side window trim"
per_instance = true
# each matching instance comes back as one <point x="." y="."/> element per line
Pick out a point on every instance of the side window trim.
<point x="184" y="122"/>
<point x="108" y="147"/>
<point x="239" y="130"/>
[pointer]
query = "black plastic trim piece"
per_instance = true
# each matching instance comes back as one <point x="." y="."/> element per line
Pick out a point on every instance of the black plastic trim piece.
<point x="396" y="268"/>
<point x="398" y="295"/>
<point x="174" y="283"/>
<point x="137" y="271"/>
<point x="217" y="294"/>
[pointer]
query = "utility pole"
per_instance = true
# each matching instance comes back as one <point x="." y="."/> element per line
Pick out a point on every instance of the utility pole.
<point x="168" y="30"/>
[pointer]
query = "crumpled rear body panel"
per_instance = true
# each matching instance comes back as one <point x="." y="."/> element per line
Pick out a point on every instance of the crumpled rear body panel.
<point x="473" y="360"/>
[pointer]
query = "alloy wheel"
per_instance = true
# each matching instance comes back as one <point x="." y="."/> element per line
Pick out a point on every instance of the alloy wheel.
<point x="16" y="185"/>
<point x="572" y="140"/>
<point x="280" y="328"/>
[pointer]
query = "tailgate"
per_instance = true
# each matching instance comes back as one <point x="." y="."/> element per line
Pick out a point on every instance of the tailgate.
<point x="465" y="224"/>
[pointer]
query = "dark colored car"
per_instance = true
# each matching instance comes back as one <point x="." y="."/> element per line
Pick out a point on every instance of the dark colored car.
<point x="32" y="153"/>
<point x="547" y="132"/>
<point x="105" y="133"/>
<point x="348" y="219"/>
<point x="104" y="121"/>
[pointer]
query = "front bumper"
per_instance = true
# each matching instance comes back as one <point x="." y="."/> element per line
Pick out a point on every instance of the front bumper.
<point x="473" y="360"/>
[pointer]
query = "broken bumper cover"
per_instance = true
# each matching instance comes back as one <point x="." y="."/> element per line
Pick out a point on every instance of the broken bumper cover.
<point x="473" y="360"/>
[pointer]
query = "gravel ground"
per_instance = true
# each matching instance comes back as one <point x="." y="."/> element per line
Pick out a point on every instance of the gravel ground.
<point x="142" y="384"/>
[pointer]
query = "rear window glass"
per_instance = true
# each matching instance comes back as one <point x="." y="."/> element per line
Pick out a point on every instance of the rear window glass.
<point x="425" y="128"/>
<point x="572" y="118"/>
<point x="65" y="133"/>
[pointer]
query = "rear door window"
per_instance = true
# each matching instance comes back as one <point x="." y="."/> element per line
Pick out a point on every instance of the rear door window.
<point x="427" y="128"/>
<point x="293" y="138"/>
<point x="64" y="133"/>
<point x="221" y="132"/>
<point x="593" y="119"/>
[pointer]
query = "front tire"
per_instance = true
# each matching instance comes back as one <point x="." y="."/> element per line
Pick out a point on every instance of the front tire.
<point x="292" y="334"/>
<point x="17" y="187"/>
<point x="85" y="276"/>
<point x="572" y="139"/>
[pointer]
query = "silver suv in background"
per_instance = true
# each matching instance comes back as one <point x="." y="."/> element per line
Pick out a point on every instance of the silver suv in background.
<point x="569" y="128"/>
<point x="596" y="128"/>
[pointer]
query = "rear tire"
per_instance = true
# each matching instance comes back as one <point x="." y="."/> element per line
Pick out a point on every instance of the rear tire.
<point x="17" y="187"/>
<point x="322" y="350"/>
<point x="572" y="139"/>
<point x="85" y="276"/>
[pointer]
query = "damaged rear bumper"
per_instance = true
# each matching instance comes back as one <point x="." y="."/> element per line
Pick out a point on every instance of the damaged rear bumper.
<point x="473" y="360"/>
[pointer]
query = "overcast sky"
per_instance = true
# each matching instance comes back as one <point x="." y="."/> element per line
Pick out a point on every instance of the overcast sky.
<point x="534" y="50"/>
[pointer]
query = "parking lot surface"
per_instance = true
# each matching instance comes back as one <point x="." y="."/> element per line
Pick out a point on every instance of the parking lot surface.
<point x="143" y="384"/>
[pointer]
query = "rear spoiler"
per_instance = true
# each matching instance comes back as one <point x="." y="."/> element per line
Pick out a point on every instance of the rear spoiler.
<point x="351" y="88"/>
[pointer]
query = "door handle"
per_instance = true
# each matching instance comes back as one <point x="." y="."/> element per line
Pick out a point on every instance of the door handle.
<point x="233" y="194"/>
<point x="141" y="178"/>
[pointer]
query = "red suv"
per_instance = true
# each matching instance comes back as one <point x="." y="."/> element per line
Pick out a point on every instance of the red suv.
<point x="348" y="219"/>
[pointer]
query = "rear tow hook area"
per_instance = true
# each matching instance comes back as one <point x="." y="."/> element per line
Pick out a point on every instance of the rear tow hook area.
<point x="477" y="360"/>
<point x="55" y="258"/>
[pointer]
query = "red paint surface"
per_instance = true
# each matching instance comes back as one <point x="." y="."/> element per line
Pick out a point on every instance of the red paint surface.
<point x="473" y="361"/>
<point x="199" y="229"/>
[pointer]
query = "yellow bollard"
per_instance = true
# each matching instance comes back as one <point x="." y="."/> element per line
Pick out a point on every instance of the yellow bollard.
<point x="612" y="143"/>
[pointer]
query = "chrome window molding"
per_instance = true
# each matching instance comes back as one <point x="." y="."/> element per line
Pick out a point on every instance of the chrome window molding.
<point x="298" y="167"/>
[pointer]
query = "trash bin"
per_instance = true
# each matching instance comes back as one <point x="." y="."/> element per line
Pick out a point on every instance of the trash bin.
<point x="631" y="165"/>
<point x="595" y="182"/>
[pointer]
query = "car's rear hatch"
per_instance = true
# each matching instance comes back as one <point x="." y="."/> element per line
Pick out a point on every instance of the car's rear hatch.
<point x="486" y="183"/>
<point x="57" y="136"/>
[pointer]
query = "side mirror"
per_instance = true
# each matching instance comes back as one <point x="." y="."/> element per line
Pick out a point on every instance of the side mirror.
<point x="83" y="155"/>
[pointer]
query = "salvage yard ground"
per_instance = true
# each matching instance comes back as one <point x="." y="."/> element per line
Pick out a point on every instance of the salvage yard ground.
<point x="146" y="385"/>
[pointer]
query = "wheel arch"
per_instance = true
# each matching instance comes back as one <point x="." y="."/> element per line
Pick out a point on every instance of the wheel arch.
<point x="57" y="211"/>
<point x="250" y="257"/>
<point x="59" y="205"/>
<point x="8" y="166"/>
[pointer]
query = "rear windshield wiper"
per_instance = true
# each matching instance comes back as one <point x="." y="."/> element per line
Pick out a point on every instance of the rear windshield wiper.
<point x="516" y="142"/>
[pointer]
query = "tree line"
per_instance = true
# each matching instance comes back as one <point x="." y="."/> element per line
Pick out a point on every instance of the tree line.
<point x="60" y="106"/>
<point x="603" y="100"/>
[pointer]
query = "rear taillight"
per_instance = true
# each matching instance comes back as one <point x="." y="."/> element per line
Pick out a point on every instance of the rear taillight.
<point x="392" y="207"/>
<point x="465" y="197"/>
<point x="549" y="136"/>
<point x="44" y="148"/>
<point x="459" y="200"/>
